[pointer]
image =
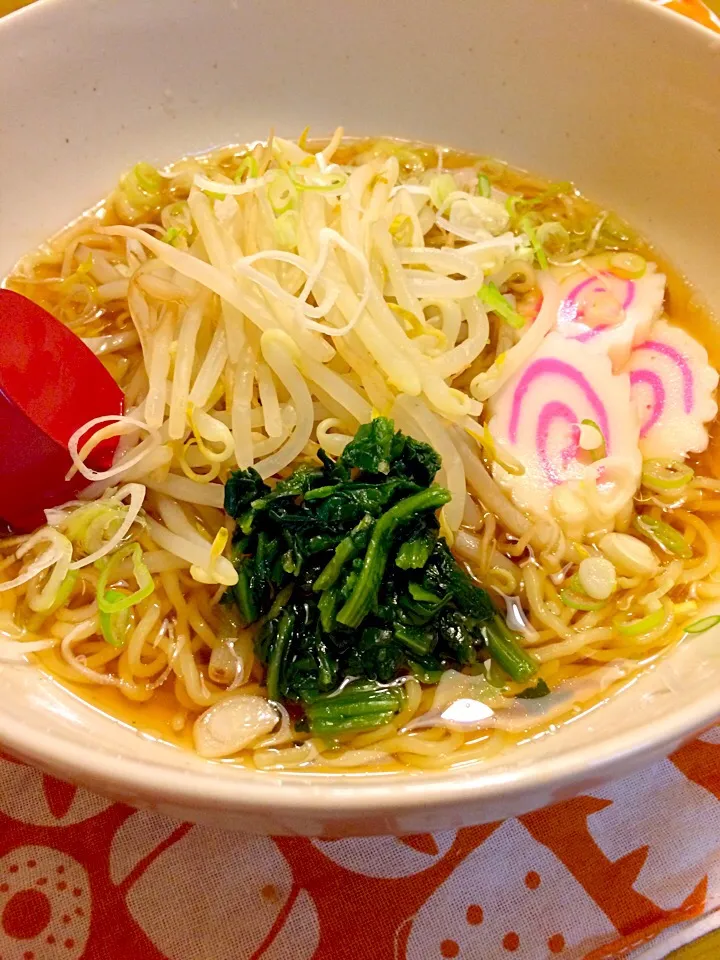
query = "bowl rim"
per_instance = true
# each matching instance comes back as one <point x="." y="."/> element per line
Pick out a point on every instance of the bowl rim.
<point x="339" y="795"/>
<point x="335" y="796"/>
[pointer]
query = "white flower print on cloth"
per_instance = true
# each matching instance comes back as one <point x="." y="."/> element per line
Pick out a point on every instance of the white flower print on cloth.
<point x="244" y="901"/>
<point x="711" y="736"/>
<point x="388" y="857"/>
<point x="299" y="935"/>
<point x="44" y="905"/>
<point x="136" y="840"/>
<point x="676" y="837"/>
<point x="509" y="897"/>
<point x="34" y="797"/>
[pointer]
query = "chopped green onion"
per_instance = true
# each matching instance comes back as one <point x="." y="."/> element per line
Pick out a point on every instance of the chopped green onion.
<point x="597" y="577"/>
<point x="147" y="178"/>
<point x="281" y="192"/>
<point x="286" y="230"/>
<point x="666" y="537"/>
<point x="115" y="604"/>
<point x="178" y="209"/>
<point x="247" y="170"/>
<point x="515" y="206"/>
<point x="575" y="584"/>
<point x="553" y="235"/>
<point x="490" y="295"/>
<point x="176" y="219"/>
<point x="440" y="189"/>
<point x="98" y="520"/>
<point x="114" y="626"/>
<point x="172" y="234"/>
<point x="639" y="626"/>
<point x="140" y="190"/>
<point x="291" y="562"/>
<point x="576" y="598"/>
<point x="304" y="179"/>
<point x="664" y="475"/>
<point x="615" y="228"/>
<point x="700" y="626"/>
<point x="62" y="594"/>
<point x="483" y="185"/>
<point x="628" y="266"/>
<point x="540" y="255"/>
<point x="599" y="452"/>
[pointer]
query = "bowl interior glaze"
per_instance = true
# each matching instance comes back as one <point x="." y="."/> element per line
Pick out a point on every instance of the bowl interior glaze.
<point x="90" y="87"/>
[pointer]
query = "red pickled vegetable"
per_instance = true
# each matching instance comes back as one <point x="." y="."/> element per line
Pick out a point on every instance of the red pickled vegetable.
<point x="50" y="385"/>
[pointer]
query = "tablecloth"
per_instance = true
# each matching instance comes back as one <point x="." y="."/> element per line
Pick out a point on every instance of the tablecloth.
<point x="593" y="878"/>
<point x="632" y="869"/>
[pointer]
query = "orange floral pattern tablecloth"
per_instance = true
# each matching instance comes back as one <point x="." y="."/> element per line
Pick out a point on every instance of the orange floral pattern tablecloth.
<point x="631" y="869"/>
<point x="592" y="878"/>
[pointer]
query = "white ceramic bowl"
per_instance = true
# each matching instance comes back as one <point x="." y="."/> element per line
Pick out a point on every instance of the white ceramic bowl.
<point x="620" y="96"/>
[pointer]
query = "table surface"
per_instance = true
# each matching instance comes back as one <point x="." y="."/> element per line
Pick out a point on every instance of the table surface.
<point x="706" y="947"/>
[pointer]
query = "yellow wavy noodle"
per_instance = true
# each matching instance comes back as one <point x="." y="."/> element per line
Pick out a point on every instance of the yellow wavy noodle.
<point x="162" y="670"/>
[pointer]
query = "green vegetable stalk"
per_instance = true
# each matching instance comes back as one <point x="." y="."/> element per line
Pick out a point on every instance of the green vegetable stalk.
<point x="359" y="706"/>
<point x="506" y="651"/>
<point x="364" y="595"/>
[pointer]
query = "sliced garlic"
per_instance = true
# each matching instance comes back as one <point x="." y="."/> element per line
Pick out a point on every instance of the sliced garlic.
<point x="224" y="664"/>
<point x="597" y="577"/>
<point x="630" y="556"/>
<point x="232" y="724"/>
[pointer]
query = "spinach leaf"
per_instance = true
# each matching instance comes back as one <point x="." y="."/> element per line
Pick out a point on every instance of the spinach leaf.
<point x="442" y="574"/>
<point x="415" y="552"/>
<point x="414" y="460"/>
<point x="371" y="447"/>
<point x="242" y="487"/>
<point x="541" y="689"/>
<point x="341" y="566"/>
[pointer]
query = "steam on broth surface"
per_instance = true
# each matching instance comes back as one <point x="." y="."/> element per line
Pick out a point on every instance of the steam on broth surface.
<point x="453" y="334"/>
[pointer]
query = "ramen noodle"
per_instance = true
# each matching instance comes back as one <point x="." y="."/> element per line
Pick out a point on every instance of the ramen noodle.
<point x="262" y="306"/>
